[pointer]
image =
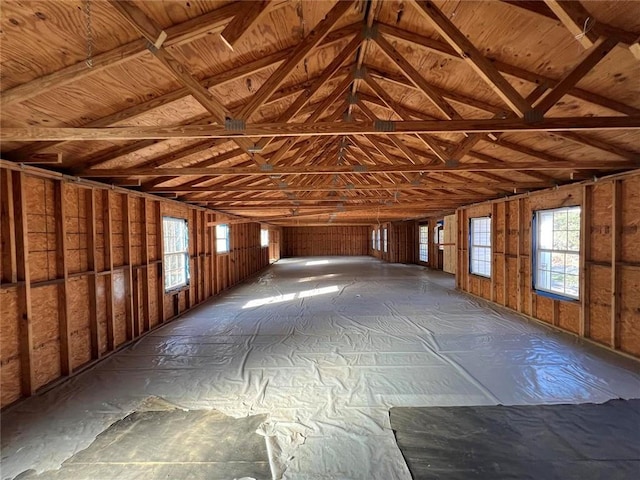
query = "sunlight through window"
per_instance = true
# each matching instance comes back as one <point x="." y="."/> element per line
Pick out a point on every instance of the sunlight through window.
<point x="291" y="296"/>
<point x="317" y="262"/>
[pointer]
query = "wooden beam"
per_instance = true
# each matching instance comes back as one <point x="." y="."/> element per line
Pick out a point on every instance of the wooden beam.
<point x="141" y="22"/>
<point x="576" y="19"/>
<point x="94" y="330"/>
<point x="441" y="48"/>
<point x="108" y="265"/>
<point x="62" y="273"/>
<point x="146" y="323"/>
<point x="483" y="67"/>
<point x="38" y="158"/>
<point x="160" y="264"/>
<point x="562" y="124"/>
<point x="360" y="169"/>
<point x="245" y="19"/>
<point x="300" y="52"/>
<point x="616" y="245"/>
<point x="416" y="78"/>
<point x="131" y="316"/>
<point x="25" y="327"/>
<point x="7" y="217"/>
<point x="350" y="187"/>
<point x="573" y="76"/>
<point x="182" y="33"/>
<point x="585" y="258"/>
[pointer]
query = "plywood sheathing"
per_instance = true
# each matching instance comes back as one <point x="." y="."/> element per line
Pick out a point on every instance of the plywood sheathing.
<point x="529" y="47"/>
<point x="41" y="341"/>
<point x="608" y="309"/>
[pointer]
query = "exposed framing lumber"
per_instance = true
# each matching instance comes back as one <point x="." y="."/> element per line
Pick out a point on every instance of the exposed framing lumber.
<point x="616" y="245"/>
<point x="576" y="19"/>
<point x="563" y="124"/>
<point x="160" y="264"/>
<point x="358" y="169"/>
<point x="108" y="264"/>
<point x="149" y="30"/>
<point x="129" y="295"/>
<point x="442" y="48"/>
<point x="27" y="378"/>
<point x="62" y="273"/>
<point x="145" y="266"/>
<point x="347" y="187"/>
<point x="311" y="41"/>
<point x="7" y="214"/>
<point x="179" y="34"/>
<point x="585" y="258"/>
<point x="473" y="57"/>
<point x="595" y="54"/>
<point x="94" y="331"/>
<point x="244" y="20"/>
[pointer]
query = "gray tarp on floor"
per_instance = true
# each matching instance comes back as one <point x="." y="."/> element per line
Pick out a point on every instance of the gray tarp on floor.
<point x="323" y="347"/>
<point x="524" y="442"/>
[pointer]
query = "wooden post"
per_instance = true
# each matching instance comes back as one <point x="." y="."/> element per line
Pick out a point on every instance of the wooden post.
<point x="146" y="321"/>
<point x="505" y="262"/>
<point x="520" y="249"/>
<point x="62" y="273"/>
<point x="24" y="276"/>
<point x="160" y="264"/>
<point x="494" y="254"/>
<point x="131" y="314"/>
<point x="91" y="265"/>
<point x="585" y="258"/>
<point x="108" y="262"/>
<point x="616" y="211"/>
<point x="9" y="269"/>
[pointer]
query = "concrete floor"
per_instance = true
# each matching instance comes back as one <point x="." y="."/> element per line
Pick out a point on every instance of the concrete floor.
<point x="323" y="347"/>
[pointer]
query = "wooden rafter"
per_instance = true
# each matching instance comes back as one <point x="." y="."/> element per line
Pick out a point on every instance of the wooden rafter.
<point x="576" y="19"/>
<point x="22" y="134"/>
<point x="483" y="67"/>
<point x="244" y="20"/>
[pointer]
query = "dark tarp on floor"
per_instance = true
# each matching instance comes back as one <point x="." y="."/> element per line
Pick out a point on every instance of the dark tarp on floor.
<point x="170" y="444"/>
<point x="586" y="441"/>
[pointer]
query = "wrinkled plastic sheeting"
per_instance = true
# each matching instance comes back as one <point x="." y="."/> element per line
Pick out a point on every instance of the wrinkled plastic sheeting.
<point x="324" y="347"/>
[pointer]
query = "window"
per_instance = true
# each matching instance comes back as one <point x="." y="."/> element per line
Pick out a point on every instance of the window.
<point x="373" y="239"/>
<point x="222" y="238"/>
<point x="423" y="242"/>
<point x="378" y="239"/>
<point x="264" y="237"/>
<point x="384" y="240"/>
<point x="557" y="251"/>
<point x="480" y="251"/>
<point x="175" y="233"/>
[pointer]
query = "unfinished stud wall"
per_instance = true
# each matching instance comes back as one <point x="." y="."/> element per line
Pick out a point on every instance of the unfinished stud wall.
<point x="82" y="273"/>
<point x="608" y="310"/>
<point x="321" y="241"/>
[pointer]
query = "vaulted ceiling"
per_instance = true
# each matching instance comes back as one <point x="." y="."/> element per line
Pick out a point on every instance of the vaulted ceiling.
<point x="320" y="112"/>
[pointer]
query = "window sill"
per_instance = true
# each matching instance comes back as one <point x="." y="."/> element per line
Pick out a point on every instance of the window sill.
<point x="176" y="290"/>
<point x="556" y="296"/>
<point x="478" y="275"/>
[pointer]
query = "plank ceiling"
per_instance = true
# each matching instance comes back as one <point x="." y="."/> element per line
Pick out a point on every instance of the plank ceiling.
<point x="300" y="112"/>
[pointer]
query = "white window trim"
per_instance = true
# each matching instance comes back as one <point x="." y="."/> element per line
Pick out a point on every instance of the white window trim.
<point x="538" y="250"/>
<point x="169" y="253"/>
<point x="473" y="248"/>
<point x="227" y="238"/>
<point x="424" y="226"/>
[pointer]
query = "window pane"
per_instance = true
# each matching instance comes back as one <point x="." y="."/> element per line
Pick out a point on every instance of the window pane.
<point x="558" y="251"/>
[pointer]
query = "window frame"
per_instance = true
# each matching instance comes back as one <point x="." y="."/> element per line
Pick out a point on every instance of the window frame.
<point x="385" y="240"/>
<point x="424" y="226"/>
<point x="473" y="247"/>
<point x="227" y="238"/>
<point x="536" y="249"/>
<point x="373" y="239"/>
<point x="185" y="253"/>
